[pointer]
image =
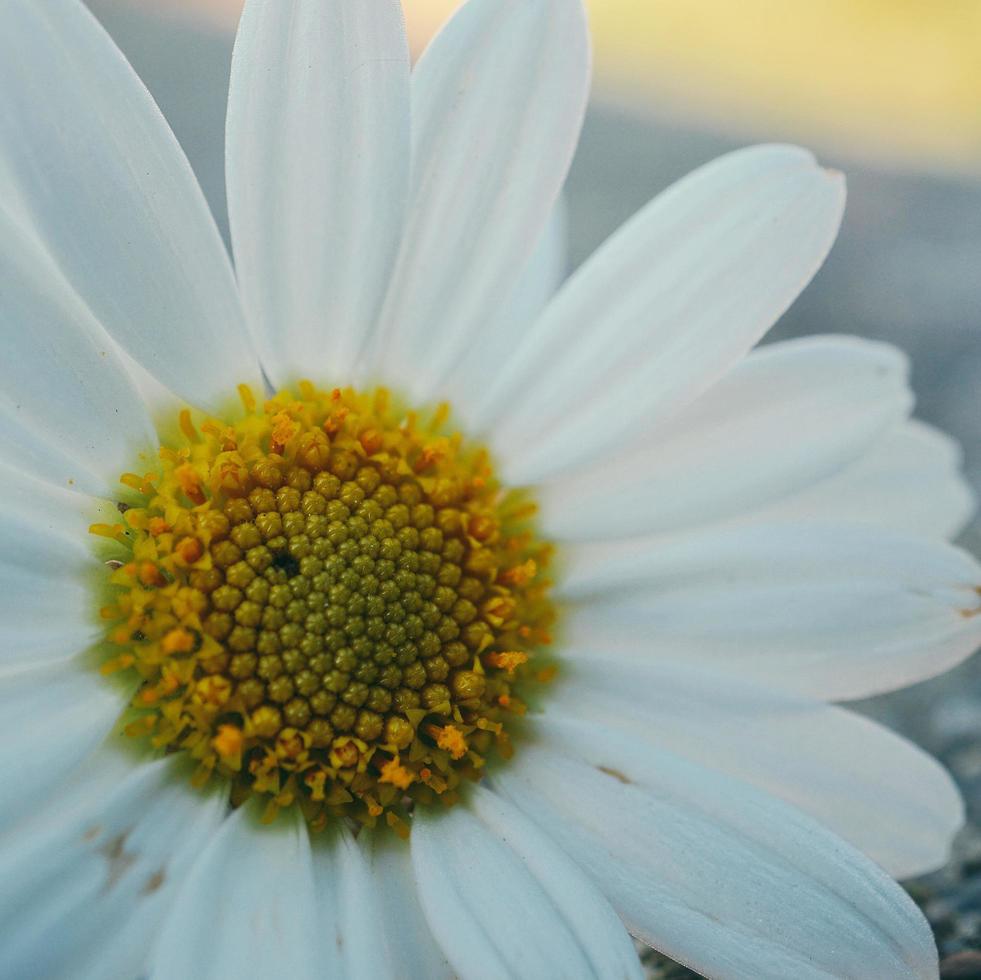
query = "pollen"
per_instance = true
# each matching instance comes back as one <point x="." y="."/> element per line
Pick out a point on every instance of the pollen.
<point x="509" y="660"/>
<point x="452" y="740"/>
<point x="395" y="773"/>
<point x="329" y="601"/>
<point x="228" y="742"/>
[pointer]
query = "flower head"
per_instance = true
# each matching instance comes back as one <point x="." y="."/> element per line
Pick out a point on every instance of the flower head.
<point x="321" y="603"/>
<point x="438" y="620"/>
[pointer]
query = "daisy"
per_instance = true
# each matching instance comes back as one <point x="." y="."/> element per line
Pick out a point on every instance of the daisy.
<point x="380" y="608"/>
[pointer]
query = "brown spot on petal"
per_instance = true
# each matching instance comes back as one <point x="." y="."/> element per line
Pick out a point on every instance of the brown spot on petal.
<point x="118" y="859"/>
<point x="616" y="774"/>
<point x="154" y="882"/>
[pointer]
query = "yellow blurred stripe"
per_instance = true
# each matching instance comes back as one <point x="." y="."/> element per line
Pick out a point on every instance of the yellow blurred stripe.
<point x="894" y="79"/>
<point x="899" y="76"/>
<point x="897" y="79"/>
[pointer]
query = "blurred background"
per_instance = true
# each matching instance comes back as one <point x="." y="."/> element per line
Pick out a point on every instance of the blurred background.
<point x="889" y="91"/>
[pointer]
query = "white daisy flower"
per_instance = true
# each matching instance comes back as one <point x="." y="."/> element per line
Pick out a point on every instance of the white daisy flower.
<point x="345" y="685"/>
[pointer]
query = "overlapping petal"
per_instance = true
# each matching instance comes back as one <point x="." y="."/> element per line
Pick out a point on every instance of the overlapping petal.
<point x="61" y="515"/>
<point x="722" y="877"/>
<point x="369" y="927"/>
<point x="663" y="310"/>
<point x="89" y="165"/>
<point x="496" y="341"/>
<point x="502" y="900"/>
<point x="911" y="481"/>
<point x="405" y="925"/>
<point x="834" y="611"/>
<point x="497" y="104"/>
<point x="786" y="417"/>
<point x="317" y="162"/>
<point x="873" y="788"/>
<point x="84" y="889"/>
<point x="51" y="717"/>
<point x="247" y="907"/>
<point x="47" y="610"/>
<point x="68" y="410"/>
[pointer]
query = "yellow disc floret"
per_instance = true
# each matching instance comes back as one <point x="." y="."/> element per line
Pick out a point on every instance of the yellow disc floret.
<point x="331" y="602"/>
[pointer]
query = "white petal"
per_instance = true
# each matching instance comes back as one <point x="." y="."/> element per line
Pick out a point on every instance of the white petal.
<point x="87" y="160"/>
<point x="370" y="921"/>
<point x="51" y="717"/>
<point x="540" y="279"/>
<point x="786" y="417"/>
<point x="832" y="611"/>
<point x="63" y="387"/>
<point x="45" y="619"/>
<point x="401" y="915"/>
<point x="497" y="105"/>
<point x="716" y="874"/>
<point x="48" y="570"/>
<point x="25" y="448"/>
<point x="85" y="883"/>
<point x="492" y="345"/>
<point x="247" y="907"/>
<point x="663" y="310"/>
<point x="317" y="164"/>
<point x="161" y="402"/>
<point x="354" y="940"/>
<point x="33" y="505"/>
<point x="877" y="790"/>
<point x="911" y="480"/>
<point x="503" y="901"/>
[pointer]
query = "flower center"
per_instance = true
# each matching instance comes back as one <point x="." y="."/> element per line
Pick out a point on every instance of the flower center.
<point x="330" y="602"/>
